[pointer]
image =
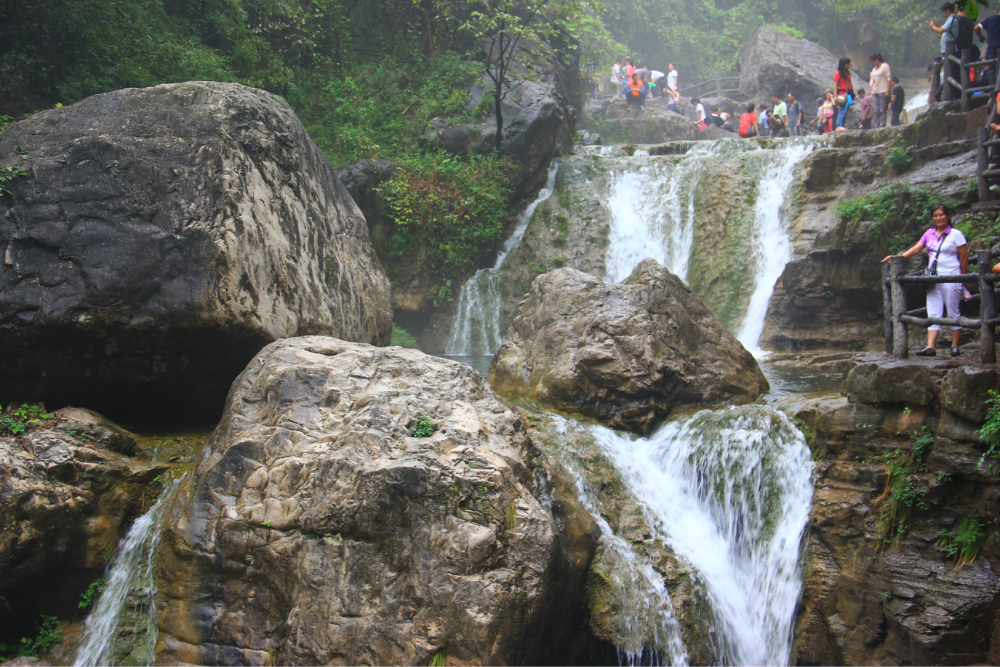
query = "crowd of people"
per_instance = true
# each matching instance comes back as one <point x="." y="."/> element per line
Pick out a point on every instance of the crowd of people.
<point x="784" y="115"/>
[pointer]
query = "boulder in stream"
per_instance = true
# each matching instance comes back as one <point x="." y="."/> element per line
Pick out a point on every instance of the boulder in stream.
<point x="362" y="505"/>
<point x="161" y="238"/>
<point x="628" y="354"/>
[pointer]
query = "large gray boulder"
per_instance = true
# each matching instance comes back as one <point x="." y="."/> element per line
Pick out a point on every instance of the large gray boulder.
<point x="775" y="61"/>
<point x="628" y="354"/>
<point x="320" y="530"/>
<point x="162" y="237"/>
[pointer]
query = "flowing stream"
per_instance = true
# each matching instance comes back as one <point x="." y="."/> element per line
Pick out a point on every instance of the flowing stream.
<point x="128" y="597"/>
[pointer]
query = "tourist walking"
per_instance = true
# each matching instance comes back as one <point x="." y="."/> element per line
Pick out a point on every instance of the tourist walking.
<point x="617" y="79"/>
<point x="949" y="34"/>
<point x="898" y="100"/>
<point x="865" y="104"/>
<point x="948" y="254"/>
<point x="826" y="114"/>
<point x="843" y="89"/>
<point x="794" y="116"/>
<point x="880" y="88"/>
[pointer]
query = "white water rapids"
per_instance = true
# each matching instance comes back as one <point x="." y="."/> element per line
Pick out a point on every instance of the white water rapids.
<point x="131" y="574"/>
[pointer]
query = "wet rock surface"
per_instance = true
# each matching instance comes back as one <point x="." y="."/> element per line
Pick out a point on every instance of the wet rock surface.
<point x="628" y="354"/>
<point x="319" y="529"/>
<point x="895" y="480"/>
<point x="68" y="498"/>
<point x="162" y="237"/>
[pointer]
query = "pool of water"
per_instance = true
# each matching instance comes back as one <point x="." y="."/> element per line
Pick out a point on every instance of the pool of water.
<point x="481" y="362"/>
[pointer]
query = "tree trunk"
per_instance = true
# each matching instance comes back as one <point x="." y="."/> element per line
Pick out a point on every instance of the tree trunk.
<point x="497" y="97"/>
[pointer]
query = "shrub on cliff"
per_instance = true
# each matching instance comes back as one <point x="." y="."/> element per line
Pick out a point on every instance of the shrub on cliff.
<point x="450" y="208"/>
<point x="899" y="211"/>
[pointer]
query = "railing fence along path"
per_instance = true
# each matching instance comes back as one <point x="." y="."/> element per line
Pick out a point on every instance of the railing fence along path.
<point x="719" y="90"/>
<point x="897" y="317"/>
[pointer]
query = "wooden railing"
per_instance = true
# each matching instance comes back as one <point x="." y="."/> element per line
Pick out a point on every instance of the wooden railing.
<point x="719" y="90"/>
<point x="966" y="89"/>
<point x="897" y="317"/>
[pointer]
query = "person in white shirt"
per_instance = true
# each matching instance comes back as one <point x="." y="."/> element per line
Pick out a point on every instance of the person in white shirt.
<point x="949" y="255"/>
<point x="699" y="111"/>
<point x="672" y="81"/>
<point x="880" y="88"/>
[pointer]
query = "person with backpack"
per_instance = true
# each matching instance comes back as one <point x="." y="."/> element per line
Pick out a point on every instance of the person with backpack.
<point x="949" y="34"/>
<point x="988" y="31"/>
<point x="748" y="124"/>
<point x="636" y="95"/>
<point x="966" y="32"/>
<point x="843" y="89"/>
<point x="794" y="116"/>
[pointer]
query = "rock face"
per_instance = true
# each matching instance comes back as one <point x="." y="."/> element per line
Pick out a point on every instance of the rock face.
<point x="628" y="354"/>
<point x="319" y="530"/>
<point x="775" y="61"/>
<point x="881" y="586"/>
<point x="67" y="499"/>
<point x="162" y="237"/>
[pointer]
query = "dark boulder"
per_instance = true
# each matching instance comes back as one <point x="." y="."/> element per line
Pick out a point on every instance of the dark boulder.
<point x="161" y="238"/>
<point x="774" y="61"/>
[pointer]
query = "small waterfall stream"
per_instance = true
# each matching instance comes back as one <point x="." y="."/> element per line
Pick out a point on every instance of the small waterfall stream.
<point x="477" y="320"/>
<point x="129" y="591"/>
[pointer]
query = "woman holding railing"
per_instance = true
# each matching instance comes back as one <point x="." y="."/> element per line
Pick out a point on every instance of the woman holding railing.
<point x="949" y="255"/>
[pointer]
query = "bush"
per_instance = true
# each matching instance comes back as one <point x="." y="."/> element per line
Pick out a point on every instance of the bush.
<point x="898" y="156"/>
<point x="898" y="211"/>
<point x="402" y="337"/>
<point x="965" y="542"/>
<point x="453" y="209"/>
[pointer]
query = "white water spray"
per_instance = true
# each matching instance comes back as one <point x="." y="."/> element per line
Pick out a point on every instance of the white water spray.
<point x="477" y="319"/>
<point x="730" y="492"/>
<point x="131" y="574"/>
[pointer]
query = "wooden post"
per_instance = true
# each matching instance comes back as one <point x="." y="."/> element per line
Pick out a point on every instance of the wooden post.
<point x="987" y="309"/>
<point x="947" y="92"/>
<point x="900" y="334"/>
<point x="936" y="82"/>
<point x="887" y="306"/>
<point x="718" y="85"/>
<point x="982" y="164"/>
<point x="964" y="72"/>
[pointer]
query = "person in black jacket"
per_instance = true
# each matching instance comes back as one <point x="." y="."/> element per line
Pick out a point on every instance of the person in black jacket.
<point x="898" y="100"/>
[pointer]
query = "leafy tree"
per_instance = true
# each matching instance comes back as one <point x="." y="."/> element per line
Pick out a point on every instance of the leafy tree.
<point x="504" y="25"/>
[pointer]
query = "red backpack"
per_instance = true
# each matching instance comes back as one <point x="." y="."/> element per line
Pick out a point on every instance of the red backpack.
<point x="746" y="125"/>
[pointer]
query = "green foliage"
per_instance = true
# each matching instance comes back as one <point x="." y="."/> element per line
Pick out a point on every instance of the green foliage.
<point x="788" y="30"/>
<point x="437" y="660"/>
<point x="401" y="337"/>
<point x="16" y="421"/>
<point x="384" y="110"/>
<point x="885" y="595"/>
<point x="922" y="445"/>
<point x="8" y="174"/>
<point x="965" y="542"/>
<point x="450" y="208"/>
<point x="990" y="432"/>
<point x="153" y="489"/>
<point x="424" y="428"/>
<point x="78" y="433"/>
<point x="902" y="495"/>
<point x="855" y="345"/>
<point x="93" y="591"/>
<point x="266" y="524"/>
<point x="898" y="156"/>
<point x="899" y="211"/>
<point x="49" y="633"/>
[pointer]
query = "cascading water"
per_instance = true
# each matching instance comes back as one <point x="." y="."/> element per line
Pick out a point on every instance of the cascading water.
<point x="477" y="319"/>
<point x="729" y="491"/>
<point x="771" y="243"/>
<point x="129" y="591"/>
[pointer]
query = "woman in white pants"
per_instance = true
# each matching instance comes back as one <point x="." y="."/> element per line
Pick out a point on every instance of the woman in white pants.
<point x="949" y="254"/>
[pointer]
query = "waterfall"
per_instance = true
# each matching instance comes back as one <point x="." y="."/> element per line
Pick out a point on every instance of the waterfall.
<point x="476" y="329"/>
<point x="771" y="243"/>
<point x="128" y="592"/>
<point x="730" y="492"/>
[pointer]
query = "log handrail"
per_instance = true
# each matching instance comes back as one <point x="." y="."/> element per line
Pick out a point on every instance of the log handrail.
<point x="897" y="317"/>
